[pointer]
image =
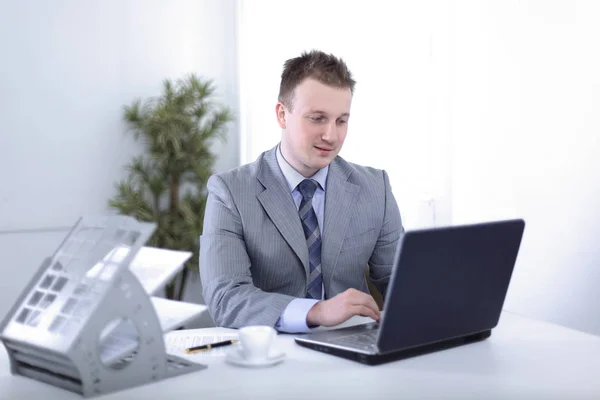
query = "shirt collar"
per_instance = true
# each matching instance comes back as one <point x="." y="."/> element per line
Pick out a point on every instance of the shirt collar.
<point x="293" y="177"/>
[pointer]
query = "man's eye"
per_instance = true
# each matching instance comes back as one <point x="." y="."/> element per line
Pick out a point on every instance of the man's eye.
<point x="342" y="122"/>
<point x="317" y="119"/>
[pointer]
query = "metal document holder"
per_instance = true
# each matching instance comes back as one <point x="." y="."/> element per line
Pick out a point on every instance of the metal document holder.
<point x="64" y="328"/>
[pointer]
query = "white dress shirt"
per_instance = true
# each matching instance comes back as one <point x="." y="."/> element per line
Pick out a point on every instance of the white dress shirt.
<point x="293" y="318"/>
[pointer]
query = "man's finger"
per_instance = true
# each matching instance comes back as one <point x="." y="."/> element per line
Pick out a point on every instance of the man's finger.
<point x="374" y="306"/>
<point x="364" y="312"/>
<point x="366" y="300"/>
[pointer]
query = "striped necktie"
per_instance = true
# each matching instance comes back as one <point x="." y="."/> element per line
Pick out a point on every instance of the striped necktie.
<point x="310" y="224"/>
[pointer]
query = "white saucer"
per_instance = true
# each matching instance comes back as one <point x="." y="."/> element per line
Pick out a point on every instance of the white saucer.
<point x="236" y="357"/>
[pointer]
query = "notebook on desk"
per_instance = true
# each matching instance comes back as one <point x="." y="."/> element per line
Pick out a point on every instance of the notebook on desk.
<point x="447" y="289"/>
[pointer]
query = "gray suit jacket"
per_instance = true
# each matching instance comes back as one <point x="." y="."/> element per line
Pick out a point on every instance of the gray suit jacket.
<point x="253" y="254"/>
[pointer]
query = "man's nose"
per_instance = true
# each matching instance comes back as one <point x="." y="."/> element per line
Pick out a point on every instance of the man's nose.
<point x="330" y="133"/>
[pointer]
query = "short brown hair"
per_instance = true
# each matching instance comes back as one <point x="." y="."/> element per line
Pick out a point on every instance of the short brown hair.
<point x="325" y="68"/>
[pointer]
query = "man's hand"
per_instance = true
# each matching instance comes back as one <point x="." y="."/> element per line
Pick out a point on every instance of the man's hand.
<point x="342" y="307"/>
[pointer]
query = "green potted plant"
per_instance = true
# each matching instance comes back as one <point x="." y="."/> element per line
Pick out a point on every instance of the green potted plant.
<point x="167" y="183"/>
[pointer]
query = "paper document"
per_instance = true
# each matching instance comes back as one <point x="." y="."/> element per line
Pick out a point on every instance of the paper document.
<point x="153" y="267"/>
<point x="156" y="267"/>
<point x="176" y="344"/>
<point x="174" y="314"/>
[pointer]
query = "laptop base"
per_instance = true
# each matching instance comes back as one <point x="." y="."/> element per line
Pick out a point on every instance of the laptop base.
<point x="376" y="359"/>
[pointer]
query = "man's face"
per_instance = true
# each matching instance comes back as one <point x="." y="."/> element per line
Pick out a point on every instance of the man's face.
<point x="315" y="129"/>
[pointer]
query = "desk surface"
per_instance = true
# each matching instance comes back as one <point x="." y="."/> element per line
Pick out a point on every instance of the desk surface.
<point x="524" y="359"/>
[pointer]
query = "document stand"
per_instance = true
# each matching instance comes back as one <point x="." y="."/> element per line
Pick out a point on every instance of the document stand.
<point x="84" y="322"/>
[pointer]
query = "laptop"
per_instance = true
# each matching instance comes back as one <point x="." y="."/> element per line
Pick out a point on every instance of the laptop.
<point x="447" y="289"/>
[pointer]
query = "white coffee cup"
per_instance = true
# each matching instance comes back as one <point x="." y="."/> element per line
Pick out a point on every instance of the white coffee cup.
<point x="256" y="341"/>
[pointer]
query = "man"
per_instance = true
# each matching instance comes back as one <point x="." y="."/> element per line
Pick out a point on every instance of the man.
<point x="287" y="238"/>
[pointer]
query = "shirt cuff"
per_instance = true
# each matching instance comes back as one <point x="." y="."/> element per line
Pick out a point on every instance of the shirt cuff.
<point x="293" y="318"/>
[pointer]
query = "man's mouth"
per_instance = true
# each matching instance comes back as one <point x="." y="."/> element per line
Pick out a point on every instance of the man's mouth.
<point x="323" y="148"/>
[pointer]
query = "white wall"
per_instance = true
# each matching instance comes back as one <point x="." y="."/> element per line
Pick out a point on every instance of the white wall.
<point x="67" y="69"/>
<point x="525" y="134"/>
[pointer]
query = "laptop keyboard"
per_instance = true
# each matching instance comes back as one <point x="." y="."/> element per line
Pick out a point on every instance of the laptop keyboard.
<point x="366" y="341"/>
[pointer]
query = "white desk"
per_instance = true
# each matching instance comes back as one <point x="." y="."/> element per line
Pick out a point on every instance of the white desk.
<point x="523" y="359"/>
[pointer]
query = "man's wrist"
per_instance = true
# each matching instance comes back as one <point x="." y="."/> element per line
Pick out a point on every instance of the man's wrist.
<point x="312" y="318"/>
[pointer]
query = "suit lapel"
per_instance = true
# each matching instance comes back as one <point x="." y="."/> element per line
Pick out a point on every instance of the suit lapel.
<point x="279" y="205"/>
<point x="339" y="205"/>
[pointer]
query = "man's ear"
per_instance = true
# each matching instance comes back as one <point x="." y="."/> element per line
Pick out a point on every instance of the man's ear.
<point x="280" y="111"/>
